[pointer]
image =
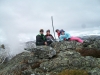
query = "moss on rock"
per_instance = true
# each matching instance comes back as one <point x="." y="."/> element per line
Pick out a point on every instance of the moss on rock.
<point x="73" y="72"/>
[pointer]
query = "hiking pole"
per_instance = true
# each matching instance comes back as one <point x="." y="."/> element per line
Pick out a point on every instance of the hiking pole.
<point x="53" y="27"/>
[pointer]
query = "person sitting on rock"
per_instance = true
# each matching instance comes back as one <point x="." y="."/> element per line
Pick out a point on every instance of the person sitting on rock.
<point x="41" y="39"/>
<point x="58" y="32"/>
<point x="68" y="37"/>
<point x="49" y="37"/>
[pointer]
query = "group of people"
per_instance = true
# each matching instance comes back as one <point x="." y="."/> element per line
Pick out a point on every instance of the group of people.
<point x="42" y="39"/>
<point x="62" y="35"/>
<point x="47" y="39"/>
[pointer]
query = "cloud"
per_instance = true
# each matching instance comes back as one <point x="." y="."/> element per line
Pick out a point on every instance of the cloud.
<point x="29" y="16"/>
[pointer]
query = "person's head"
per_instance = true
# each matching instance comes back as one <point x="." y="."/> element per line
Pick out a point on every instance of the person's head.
<point x="57" y="30"/>
<point x="62" y="32"/>
<point x="41" y="31"/>
<point x="48" y="31"/>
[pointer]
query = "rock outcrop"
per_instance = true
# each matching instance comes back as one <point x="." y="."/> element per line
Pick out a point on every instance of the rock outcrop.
<point x="61" y="57"/>
<point x="90" y="48"/>
<point x="43" y="52"/>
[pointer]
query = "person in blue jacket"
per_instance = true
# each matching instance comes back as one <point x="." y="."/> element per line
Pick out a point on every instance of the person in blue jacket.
<point x="68" y="37"/>
<point x="64" y="36"/>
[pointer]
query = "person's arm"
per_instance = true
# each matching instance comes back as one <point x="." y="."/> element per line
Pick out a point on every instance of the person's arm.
<point x="52" y="37"/>
<point x="45" y="41"/>
<point x="67" y="35"/>
<point x="61" y="37"/>
<point x="45" y="38"/>
<point x="38" y="41"/>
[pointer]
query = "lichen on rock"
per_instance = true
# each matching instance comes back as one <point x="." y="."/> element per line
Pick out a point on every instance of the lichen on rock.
<point x="61" y="58"/>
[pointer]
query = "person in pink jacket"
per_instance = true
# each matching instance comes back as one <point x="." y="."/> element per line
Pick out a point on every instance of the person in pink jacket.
<point x="66" y="36"/>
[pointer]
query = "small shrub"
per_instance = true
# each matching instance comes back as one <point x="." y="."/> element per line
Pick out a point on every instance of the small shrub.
<point x="73" y="72"/>
<point x="89" y="52"/>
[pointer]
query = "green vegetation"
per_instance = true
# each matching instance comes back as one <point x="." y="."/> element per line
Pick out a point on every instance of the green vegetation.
<point x="73" y="72"/>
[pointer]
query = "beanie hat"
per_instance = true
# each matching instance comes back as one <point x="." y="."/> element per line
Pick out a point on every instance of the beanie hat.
<point x="62" y="31"/>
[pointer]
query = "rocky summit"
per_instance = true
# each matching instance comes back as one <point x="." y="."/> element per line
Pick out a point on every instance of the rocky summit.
<point x="60" y="58"/>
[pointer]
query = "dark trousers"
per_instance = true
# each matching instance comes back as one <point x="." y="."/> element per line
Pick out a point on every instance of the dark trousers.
<point x="49" y="42"/>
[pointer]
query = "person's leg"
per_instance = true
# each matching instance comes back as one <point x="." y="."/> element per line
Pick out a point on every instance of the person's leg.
<point x="49" y="42"/>
<point x="76" y="39"/>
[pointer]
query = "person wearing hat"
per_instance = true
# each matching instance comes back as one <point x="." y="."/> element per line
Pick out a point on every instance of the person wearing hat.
<point x="68" y="37"/>
<point x="64" y="36"/>
<point x="41" y="39"/>
<point x="49" y="37"/>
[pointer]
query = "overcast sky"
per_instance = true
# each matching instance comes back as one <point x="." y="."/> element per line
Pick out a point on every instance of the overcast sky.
<point x="23" y="18"/>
